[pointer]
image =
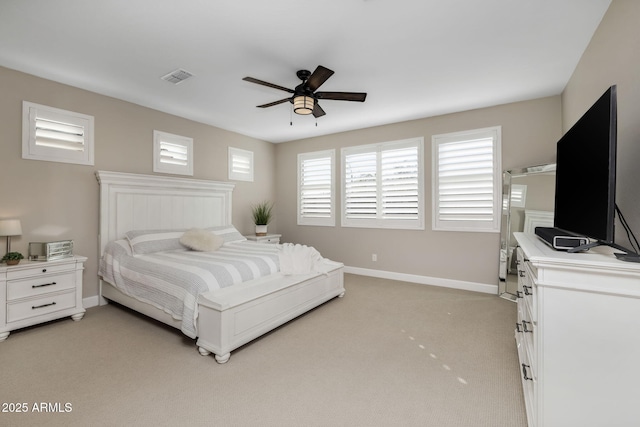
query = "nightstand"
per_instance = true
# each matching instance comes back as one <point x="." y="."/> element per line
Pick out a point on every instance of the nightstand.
<point x="34" y="292"/>
<point x="269" y="238"/>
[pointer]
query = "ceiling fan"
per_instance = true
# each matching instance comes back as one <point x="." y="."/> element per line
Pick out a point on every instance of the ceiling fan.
<point x="304" y="97"/>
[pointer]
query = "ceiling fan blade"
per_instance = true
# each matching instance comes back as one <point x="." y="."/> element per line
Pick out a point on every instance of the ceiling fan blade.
<point x="260" y="82"/>
<point x="318" y="111"/>
<point x="342" y="96"/>
<point x="319" y="76"/>
<point x="271" y="104"/>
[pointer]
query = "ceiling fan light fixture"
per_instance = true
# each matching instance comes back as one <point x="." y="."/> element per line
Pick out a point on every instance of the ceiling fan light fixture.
<point x="303" y="104"/>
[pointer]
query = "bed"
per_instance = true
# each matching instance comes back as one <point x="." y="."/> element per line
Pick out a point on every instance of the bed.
<point x="224" y="317"/>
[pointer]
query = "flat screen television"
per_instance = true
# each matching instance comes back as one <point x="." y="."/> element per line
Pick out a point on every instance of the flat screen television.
<point x="585" y="198"/>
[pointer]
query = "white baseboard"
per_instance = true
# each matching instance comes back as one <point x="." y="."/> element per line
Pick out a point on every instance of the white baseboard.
<point x="425" y="280"/>
<point x="89" y="302"/>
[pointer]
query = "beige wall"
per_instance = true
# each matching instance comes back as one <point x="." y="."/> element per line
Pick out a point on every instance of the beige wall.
<point x="613" y="57"/>
<point x="529" y="133"/>
<point x="58" y="201"/>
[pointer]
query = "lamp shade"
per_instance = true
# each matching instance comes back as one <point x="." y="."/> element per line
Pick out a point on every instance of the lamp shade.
<point x="303" y="104"/>
<point x="10" y="227"/>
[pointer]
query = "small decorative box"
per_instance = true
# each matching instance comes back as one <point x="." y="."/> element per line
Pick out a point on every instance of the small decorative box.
<point x="47" y="251"/>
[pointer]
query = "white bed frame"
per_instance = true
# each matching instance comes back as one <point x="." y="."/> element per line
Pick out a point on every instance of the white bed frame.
<point x="227" y="318"/>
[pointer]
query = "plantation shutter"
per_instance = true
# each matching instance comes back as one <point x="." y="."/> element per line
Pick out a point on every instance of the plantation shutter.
<point x="361" y="185"/>
<point x="400" y="183"/>
<point x="240" y="164"/>
<point x="52" y="134"/>
<point x="316" y="188"/>
<point x="174" y="154"/>
<point x="55" y="134"/>
<point x="383" y="185"/>
<point x="466" y="189"/>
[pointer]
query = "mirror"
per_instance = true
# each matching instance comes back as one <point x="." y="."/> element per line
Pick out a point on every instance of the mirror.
<point x="528" y="198"/>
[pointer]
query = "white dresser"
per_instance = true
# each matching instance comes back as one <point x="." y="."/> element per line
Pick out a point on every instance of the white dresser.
<point x="578" y="336"/>
<point x="33" y="292"/>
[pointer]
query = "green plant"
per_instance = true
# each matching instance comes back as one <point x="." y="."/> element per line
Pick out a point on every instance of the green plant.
<point x="262" y="213"/>
<point x="12" y="256"/>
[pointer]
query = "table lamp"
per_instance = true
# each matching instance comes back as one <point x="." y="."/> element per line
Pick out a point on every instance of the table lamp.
<point x="8" y="228"/>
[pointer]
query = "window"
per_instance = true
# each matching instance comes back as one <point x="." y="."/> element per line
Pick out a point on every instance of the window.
<point x="240" y="165"/>
<point x="172" y="153"/>
<point x="466" y="180"/>
<point x="383" y="185"/>
<point x="56" y="135"/>
<point x="316" y="188"/>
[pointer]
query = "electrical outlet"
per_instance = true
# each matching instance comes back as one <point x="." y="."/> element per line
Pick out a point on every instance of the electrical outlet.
<point x="374" y="257"/>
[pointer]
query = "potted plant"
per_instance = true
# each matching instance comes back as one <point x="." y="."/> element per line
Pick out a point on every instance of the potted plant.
<point x="12" y="258"/>
<point x="262" y="214"/>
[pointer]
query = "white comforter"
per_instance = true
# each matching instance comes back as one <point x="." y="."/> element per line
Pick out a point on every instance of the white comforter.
<point x="172" y="280"/>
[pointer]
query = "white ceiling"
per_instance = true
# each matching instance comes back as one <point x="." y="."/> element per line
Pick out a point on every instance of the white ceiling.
<point x="414" y="58"/>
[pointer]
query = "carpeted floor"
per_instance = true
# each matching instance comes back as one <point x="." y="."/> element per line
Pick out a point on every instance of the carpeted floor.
<point x="387" y="354"/>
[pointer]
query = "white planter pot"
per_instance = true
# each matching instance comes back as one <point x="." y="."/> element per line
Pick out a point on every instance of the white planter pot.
<point x="261" y="230"/>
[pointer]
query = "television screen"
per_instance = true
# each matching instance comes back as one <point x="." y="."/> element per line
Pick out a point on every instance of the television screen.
<point x="586" y="173"/>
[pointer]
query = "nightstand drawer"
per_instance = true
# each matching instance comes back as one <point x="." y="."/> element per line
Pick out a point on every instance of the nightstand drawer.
<point x="34" y="307"/>
<point x="39" y="285"/>
<point x="38" y="270"/>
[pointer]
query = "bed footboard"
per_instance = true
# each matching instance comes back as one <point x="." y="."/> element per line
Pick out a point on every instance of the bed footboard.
<point x="227" y="318"/>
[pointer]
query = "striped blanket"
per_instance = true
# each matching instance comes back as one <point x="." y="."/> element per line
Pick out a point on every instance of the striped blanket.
<point x="172" y="280"/>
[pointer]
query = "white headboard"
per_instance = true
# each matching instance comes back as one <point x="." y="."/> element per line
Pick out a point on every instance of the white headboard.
<point x="148" y="202"/>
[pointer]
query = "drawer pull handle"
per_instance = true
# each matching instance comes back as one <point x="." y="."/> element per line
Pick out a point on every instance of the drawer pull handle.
<point x="518" y="327"/>
<point x="35" y="307"/>
<point x="521" y="273"/>
<point x="524" y="327"/>
<point x="528" y="290"/>
<point x="40" y="286"/>
<point x="524" y="372"/>
<point x="518" y="294"/>
<point x="44" y="270"/>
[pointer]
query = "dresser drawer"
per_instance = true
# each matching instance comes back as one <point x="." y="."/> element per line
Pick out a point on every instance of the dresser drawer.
<point x="31" y="308"/>
<point x="39" y="285"/>
<point x="20" y="273"/>
<point x="526" y="337"/>
<point x="275" y="240"/>
<point x="530" y="290"/>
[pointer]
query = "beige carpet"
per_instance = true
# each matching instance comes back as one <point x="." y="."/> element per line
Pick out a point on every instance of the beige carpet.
<point x="387" y="354"/>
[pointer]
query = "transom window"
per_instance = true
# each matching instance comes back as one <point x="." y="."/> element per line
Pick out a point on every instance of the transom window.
<point x="240" y="164"/>
<point x="56" y="135"/>
<point x="172" y="153"/>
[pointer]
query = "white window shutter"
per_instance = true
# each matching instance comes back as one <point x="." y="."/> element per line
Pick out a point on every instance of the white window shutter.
<point x="383" y="185"/>
<point x="467" y="181"/>
<point x="240" y="164"/>
<point x="172" y="153"/>
<point x="316" y="190"/>
<point x="361" y="185"/>
<point x="56" y="135"/>
<point x="400" y="186"/>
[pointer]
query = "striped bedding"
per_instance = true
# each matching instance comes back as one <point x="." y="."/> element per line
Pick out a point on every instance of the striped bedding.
<point x="172" y="280"/>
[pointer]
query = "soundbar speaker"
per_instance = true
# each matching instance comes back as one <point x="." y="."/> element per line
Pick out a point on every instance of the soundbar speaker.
<point x="560" y="239"/>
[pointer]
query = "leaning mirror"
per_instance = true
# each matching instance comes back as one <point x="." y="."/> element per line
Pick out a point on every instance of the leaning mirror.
<point x="527" y="202"/>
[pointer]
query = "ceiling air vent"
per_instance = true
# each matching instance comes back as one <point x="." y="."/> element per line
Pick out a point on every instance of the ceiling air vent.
<point x="177" y="76"/>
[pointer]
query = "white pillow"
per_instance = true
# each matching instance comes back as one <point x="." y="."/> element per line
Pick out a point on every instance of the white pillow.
<point x="201" y="240"/>
<point x="151" y="241"/>
<point x="229" y="233"/>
